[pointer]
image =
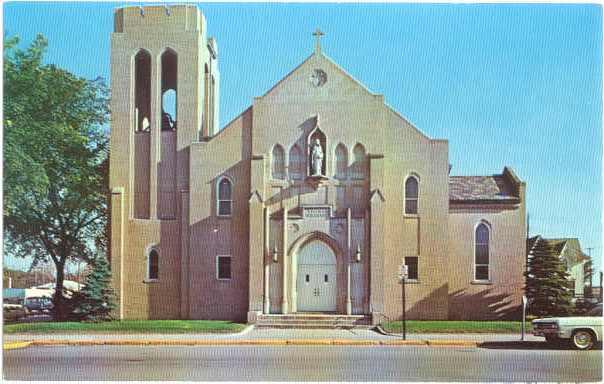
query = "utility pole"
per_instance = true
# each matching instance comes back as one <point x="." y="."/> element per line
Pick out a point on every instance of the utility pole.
<point x="590" y="268"/>
<point x="600" y="286"/>
<point x="528" y="224"/>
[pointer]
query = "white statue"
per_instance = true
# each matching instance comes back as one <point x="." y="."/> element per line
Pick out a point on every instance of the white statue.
<point x="316" y="157"/>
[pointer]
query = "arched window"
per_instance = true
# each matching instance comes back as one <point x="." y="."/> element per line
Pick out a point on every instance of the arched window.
<point x="341" y="161"/>
<point x="169" y="66"/>
<point x="278" y="162"/>
<point x="296" y="163"/>
<point x="411" y="195"/>
<point x="359" y="167"/>
<point x="225" y="192"/>
<point x="481" y="252"/>
<point x="142" y="91"/>
<point x="153" y="264"/>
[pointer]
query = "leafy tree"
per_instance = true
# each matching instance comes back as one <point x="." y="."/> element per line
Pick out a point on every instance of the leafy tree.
<point x="547" y="282"/>
<point x="55" y="168"/>
<point x="95" y="301"/>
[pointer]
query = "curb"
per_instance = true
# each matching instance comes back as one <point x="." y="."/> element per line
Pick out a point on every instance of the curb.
<point x="16" y="345"/>
<point x="268" y="342"/>
<point x="453" y="343"/>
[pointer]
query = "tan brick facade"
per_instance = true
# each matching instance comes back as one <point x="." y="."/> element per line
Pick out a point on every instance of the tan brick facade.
<point x="169" y="187"/>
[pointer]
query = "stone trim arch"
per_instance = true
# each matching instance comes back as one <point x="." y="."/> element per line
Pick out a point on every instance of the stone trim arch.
<point x="341" y="262"/>
<point x="315" y="235"/>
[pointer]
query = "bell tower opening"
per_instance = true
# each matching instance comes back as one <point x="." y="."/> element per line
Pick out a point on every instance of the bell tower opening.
<point x="169" y="95"/>
<point x="142" y="91"/>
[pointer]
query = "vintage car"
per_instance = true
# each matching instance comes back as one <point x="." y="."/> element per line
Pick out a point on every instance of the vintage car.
<point x="582" y="332"/>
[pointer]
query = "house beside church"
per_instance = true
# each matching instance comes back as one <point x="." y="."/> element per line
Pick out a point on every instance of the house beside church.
<point x="307" y="202"/>
<point x="568" y="250"/>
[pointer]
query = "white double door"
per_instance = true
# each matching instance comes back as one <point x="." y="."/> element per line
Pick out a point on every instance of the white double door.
<point x="316" y="279"/>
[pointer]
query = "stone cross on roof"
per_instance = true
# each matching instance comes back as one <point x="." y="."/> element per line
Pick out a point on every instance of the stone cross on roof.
<point x="317" y="34"/>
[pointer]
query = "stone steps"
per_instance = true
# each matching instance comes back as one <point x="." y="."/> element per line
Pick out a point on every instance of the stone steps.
<point x="313" y="321"/>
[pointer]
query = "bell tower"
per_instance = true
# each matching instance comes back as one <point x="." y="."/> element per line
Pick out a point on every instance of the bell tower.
<point x="164" y="77"/>
<point x="164" y="88"/>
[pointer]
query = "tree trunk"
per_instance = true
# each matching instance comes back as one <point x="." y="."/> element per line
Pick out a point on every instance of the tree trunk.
<point x="58" y="300"/>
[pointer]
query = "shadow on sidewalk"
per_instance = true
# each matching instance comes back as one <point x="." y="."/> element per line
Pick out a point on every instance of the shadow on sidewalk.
<point x="529" y="345"/>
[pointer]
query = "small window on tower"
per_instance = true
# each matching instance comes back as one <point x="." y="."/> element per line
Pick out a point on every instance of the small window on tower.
<point x="153" y="265"/>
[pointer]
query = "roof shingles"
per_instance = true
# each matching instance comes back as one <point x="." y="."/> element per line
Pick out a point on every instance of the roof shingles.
<point x="481" y="188"/>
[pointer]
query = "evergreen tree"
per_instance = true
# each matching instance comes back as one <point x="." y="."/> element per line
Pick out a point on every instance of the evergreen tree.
<point x="95" y="301"/>
<point x="547" y="283"/>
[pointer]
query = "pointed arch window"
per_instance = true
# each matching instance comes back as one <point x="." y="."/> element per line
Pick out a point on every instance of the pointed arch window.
<point x="153" y="264"/>
<point x="225" y="200"/>
<point x="411" y="195"/>
<point x="278" y="163"/>
<point x="142" y="91"/>
<point x="296" y="163"/>
<point x="341" y="161"/>
<point x="481" y="252"/>
<point x="359" y="167"/>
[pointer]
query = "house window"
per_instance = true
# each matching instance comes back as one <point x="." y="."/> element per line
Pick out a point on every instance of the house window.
<point x="223" y="267"/>
<point x="411" y="195"/>
<point x="278" y="162"/>
<point x="411" y="263"/>
<point x="481" y="252"/>
<point x="153" y="265"/>
<point x="225" y="202"/>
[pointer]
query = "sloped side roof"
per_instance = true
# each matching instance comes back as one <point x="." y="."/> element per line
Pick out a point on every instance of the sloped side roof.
<point x="495" y="188"/>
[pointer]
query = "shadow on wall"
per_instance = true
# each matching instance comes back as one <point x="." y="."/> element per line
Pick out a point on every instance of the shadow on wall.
<point x="484" y="305"/>
<point x="427" y="307"/>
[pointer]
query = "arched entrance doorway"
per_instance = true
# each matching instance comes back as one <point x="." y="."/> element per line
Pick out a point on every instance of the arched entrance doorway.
<point x="316" y="278"/>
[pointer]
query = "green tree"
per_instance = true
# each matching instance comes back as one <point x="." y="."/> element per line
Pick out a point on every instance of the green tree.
<point x="96" y="299"/>
<point x="55" y="168"/>
<point x="547" y="283"/>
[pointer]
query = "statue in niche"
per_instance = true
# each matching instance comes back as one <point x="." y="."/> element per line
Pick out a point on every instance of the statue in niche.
<point x="316" y="157"/>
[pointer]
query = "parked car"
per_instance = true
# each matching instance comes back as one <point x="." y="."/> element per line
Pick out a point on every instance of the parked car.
<point x="38" y="304"/>
<point x="14" y="312"/>
<point x="582" y="332"/>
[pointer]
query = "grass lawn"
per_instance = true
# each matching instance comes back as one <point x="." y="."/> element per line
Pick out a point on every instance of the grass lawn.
<point x="450" y="326"/>
<point x="130" y="326"/>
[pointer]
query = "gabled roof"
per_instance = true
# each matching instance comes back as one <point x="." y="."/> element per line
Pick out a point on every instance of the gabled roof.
<point x="495" y="188"/>
<point x="319" y="55"/>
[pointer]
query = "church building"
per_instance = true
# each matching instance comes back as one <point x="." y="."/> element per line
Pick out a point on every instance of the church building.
<point x="308" y="202"/>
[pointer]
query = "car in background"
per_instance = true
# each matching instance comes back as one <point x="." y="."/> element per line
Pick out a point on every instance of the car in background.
<point x="582" y="332"/>
<point x="14" y="312"/>
<point x="38" y="304"/>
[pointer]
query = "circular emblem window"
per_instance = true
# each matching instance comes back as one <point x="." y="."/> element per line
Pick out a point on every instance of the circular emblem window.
<point x="318" y="77"/>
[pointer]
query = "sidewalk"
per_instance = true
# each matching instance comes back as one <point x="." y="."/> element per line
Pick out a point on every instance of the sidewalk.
<point x="252" y="336"/>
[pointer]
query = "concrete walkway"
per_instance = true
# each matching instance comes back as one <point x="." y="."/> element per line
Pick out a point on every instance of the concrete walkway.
<point x="251" y="334"/>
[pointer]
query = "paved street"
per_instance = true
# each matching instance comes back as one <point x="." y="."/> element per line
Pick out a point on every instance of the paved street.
<point x="501" y="361"/>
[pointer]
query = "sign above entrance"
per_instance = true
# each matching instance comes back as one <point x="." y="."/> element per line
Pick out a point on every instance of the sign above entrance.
<point x="321" y="212"/>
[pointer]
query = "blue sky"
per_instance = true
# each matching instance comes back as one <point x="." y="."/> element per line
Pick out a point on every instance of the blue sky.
<point x="516" y="85"/>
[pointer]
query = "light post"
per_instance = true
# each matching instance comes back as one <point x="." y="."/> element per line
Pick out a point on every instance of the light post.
<point x="402" y="276"/>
